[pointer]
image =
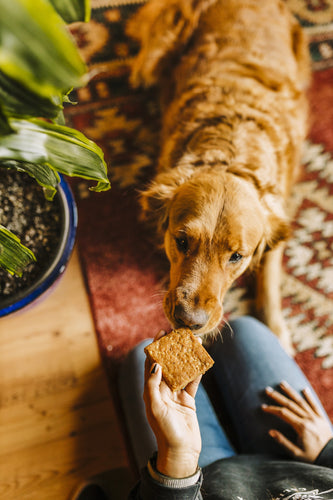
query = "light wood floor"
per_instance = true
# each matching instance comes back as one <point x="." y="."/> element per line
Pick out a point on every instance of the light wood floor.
<point x="57" y="422"/>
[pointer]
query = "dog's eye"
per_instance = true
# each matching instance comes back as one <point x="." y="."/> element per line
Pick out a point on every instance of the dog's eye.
<point x="182" y="244"/>
<point x="235" y="257"/>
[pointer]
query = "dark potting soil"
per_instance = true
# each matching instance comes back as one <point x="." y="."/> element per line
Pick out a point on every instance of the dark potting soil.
<point x="35" y="220"/>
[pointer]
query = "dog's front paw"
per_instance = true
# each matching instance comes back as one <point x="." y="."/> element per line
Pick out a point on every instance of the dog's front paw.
<point x="142" y="71"/>
<point x="283" y="334"/>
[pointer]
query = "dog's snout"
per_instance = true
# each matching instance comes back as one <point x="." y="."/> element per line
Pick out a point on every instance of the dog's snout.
<point x="194" y="319"/>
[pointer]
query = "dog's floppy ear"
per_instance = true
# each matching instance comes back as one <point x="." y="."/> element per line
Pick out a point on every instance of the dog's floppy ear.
<point x="300" y="47"/>
<point x="155" y="201"/>
<point x="163" y="27"/>
<point x="278" y="230"/>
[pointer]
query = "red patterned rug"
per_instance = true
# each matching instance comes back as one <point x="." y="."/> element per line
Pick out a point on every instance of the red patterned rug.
<point x="124" y="274"/>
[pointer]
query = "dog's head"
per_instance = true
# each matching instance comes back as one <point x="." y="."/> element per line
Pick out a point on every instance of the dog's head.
<point x="213" y="225"/>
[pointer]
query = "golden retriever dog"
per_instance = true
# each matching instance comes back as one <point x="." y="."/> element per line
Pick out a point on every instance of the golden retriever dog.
<point x="232" y="76"/>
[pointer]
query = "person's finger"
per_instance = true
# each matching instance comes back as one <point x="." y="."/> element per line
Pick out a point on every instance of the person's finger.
<point x="284" y="414"/>
<point x="308" y="395"/>
<point x="307" y="402"/>
<point x="192" y="387"/>
<point x="155" y="376"/>
<point x="285" y="402"/>
<point x="285" y="442"/>
<point x="293" y="394"/>
<point x="152" y="393"/>
<point x="160" y="334"/>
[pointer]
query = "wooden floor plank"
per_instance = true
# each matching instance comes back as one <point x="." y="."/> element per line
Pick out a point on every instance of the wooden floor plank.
<point x="57" y="421"/>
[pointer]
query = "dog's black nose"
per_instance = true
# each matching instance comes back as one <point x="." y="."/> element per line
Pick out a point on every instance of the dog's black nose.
<point x="195" y="319"/>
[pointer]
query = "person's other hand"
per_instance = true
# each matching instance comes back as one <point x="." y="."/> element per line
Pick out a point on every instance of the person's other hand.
<point x="305" y="416"/>
<point x="172" y="417"/>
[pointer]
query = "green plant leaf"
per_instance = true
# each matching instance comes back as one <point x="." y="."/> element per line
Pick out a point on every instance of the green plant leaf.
<point x="14" y="256"/>
<point x="43" y="174"/>
<point x="37" y="49"/>
<point x="72" y="10"/>
<point x="18" y="100"/>
<point x="61" y="148"/>
<point x="5" y="128"/>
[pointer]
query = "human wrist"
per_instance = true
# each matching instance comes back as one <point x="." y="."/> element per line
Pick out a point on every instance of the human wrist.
<point x="177" y="463"/>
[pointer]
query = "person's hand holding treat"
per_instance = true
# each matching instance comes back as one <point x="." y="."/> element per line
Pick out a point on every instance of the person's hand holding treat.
<point x="170" y="409"/>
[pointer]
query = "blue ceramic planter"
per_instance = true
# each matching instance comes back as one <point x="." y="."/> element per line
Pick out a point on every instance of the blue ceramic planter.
<point x="35" y="292"/>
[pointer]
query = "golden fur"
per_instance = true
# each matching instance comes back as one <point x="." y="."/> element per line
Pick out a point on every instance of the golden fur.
<point x="232" y="75"/>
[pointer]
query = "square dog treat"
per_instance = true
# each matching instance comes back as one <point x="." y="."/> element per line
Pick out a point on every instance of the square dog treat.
<point x="181" y="357"/>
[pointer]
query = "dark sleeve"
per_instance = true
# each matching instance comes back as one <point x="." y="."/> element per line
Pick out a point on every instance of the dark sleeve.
<point x="325" y="457"/>
<point x="149" y="489"/>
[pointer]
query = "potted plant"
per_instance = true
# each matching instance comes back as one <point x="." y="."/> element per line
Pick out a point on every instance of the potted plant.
<point x="39" y="65"/>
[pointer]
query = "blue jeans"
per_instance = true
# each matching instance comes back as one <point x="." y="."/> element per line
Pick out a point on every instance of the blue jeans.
<point x="248" y="357"/>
